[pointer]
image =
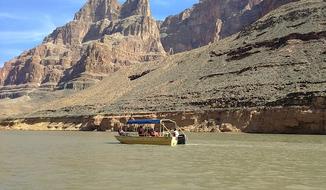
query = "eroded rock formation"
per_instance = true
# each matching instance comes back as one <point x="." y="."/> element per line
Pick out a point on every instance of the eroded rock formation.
<point x="212" y="20"/>
<point x="266" y="120"/>
<point x="103" y="37"/>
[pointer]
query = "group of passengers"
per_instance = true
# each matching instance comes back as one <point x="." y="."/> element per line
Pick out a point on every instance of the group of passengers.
<point x="151" y="132"/>
<point x="141" y="132"/>
<point x="148" y="132"/>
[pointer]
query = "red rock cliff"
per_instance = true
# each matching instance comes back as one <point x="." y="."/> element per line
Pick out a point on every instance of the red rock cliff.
<point x="103" y="37"/>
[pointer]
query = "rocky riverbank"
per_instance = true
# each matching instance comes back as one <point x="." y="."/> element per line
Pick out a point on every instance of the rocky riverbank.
<point x="291" y="120"/>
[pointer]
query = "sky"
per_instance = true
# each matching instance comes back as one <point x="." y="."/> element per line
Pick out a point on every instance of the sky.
<point x="24" y="23"/>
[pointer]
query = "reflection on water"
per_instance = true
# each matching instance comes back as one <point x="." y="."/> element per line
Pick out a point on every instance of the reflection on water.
<point x="79" y="160"/>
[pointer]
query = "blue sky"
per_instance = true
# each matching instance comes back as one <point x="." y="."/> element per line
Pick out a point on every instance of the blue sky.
<point x="24" y="23"/>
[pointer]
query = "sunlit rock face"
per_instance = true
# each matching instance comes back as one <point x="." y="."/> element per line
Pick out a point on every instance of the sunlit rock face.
<point x="103" y="37"/>
<point x="106" y="36"/>
<point x="212" y="20"/>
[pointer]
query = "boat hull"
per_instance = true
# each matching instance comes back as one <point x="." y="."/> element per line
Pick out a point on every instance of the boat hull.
<point x="171" y="141"/>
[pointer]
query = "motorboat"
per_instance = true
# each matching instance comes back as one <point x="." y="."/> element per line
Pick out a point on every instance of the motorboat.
<point x="163" y="135"/>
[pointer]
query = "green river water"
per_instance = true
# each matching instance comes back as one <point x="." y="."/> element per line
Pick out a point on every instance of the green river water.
<point x="90" y="160"/>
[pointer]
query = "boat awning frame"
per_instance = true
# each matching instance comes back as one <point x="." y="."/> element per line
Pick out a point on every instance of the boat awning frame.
<point x="149" y="121"/>
<point x="144" y="121"/>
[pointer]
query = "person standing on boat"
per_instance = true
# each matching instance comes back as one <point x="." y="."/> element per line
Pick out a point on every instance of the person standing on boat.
<point x="175" y="133"/>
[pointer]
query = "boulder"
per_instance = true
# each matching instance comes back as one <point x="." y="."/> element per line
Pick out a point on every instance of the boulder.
<point x="228" y="127"/>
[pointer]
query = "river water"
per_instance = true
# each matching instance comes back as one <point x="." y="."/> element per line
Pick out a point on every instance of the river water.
<point x="87" y="160"/>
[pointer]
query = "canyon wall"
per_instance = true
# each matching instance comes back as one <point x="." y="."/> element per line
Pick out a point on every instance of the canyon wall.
<point x="212" y="20"/>
<point x="269" y="77"/>
<point x="105" y="36"/>
<point x="101" y="39"/>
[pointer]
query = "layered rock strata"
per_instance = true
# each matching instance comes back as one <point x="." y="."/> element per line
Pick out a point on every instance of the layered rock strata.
<point x="212" y="20"/>
<point x="101" y="39"/>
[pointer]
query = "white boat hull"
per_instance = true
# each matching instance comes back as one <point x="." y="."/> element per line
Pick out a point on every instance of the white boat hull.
<point x="171" y="141"/>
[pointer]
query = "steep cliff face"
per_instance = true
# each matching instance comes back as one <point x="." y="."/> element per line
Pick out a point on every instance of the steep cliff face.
<point x="112" y="44"/>
<point x="103" y="37"/>
<point x="135" y="7"/>
<point x="212" y="20"/>
<point x="97" y="10"/>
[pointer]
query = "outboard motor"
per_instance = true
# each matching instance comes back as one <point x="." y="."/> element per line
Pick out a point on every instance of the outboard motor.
<point x="182" y="139"/>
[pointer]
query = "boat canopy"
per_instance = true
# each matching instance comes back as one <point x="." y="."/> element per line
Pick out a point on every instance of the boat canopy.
<point x="144" y="121"/>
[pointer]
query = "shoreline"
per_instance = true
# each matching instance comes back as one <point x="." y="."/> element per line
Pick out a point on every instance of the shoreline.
<point x="271" y="120"/>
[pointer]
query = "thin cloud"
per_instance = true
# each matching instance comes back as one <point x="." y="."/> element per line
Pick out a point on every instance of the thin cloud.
<point x="11" y="16"/>
<point x="9" y="39"/>
<point x="13" y="36"/>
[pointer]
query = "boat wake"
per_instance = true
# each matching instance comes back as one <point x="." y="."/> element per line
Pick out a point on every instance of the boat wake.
<point x="220" y="145"/>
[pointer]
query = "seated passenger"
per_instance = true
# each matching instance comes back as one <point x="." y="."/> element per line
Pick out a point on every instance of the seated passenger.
<point x="157" y="133"/>
<point x="141" y="131"/>
<point x="121" y="132"/>
<point x="151" y="132"/>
